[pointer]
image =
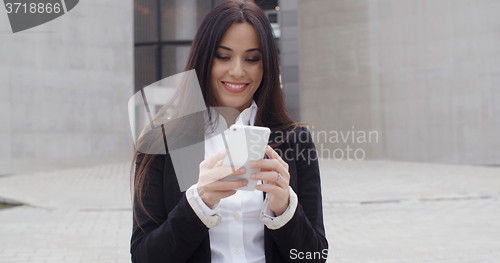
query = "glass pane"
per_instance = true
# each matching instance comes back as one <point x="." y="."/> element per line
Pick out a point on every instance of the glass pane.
<point x="273" y="18"/>
<point x="145" y="21"/>
<point x="217" y="2"/>
<point x="145" y="66"/>
<point x="181" y="18"/>
<point x="267" y="4"/>
<point x="174" y="59"/>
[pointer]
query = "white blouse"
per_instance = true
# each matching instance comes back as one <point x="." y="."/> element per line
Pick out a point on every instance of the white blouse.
<point x="237" y="222"/>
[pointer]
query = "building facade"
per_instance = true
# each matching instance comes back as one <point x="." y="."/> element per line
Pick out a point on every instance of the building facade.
<point x="64" y="87"/>
<point x="411" y="81"/>
<point x="423" y="75"/>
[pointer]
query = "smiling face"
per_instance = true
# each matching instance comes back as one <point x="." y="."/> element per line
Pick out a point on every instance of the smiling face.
<point x="237" y="68"/>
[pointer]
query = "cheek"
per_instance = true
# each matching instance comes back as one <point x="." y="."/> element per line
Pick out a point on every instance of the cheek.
<point x="258" y="74"/>
<point x="216" y="73"/>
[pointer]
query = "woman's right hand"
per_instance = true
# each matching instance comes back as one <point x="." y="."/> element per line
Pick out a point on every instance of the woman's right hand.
<point x="210" y="188"/>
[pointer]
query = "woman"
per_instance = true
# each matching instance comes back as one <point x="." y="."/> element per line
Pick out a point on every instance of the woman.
<point x="235" y="58"/>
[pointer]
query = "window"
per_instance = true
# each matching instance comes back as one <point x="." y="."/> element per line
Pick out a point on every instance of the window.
<point x="164" y="31"/>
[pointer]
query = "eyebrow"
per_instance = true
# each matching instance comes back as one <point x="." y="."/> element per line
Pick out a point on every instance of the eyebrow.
<point x="248" y="50"/>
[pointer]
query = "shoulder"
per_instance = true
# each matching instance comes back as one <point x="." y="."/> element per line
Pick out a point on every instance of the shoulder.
<point x="150" y="165"/>
<point x="153" y="159"/>
<point x="293" y="135"/>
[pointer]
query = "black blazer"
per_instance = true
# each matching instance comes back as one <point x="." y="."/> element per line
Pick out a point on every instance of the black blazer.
<point x="176" y="234"/>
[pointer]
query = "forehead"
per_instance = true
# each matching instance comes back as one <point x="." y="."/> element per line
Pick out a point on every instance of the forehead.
<point x="241" y="36"/>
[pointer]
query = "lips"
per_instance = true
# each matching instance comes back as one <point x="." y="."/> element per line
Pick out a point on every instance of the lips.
<point x="234" y="87"/>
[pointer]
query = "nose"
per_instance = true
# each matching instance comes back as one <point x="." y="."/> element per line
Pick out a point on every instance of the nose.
<point x="237" y="70"/>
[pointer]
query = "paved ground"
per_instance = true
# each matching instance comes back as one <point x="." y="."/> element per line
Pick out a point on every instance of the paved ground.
<point x="78" y="215"/>
<point x="407" y="212"/>
<point x="374" y="211"/>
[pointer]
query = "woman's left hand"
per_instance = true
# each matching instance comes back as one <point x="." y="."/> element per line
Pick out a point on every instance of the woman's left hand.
<point x="277" y="190"/>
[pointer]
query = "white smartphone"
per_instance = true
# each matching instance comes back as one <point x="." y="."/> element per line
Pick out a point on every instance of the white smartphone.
<point x="244" y="145"/>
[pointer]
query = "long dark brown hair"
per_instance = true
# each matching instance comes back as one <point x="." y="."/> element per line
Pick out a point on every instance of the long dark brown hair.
<point x="268" y="97"/>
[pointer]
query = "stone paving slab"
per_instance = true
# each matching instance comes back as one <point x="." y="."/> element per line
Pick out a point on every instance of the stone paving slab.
<point x="381" y="181"/>
<point x="40" y="235"/>
<point x="374" y="211"/>
<point x="431" y="231"/>
<point x="94" y="187"/>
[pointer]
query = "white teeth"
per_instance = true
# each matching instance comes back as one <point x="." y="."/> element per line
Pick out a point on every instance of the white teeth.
<point x="235" y="86"/>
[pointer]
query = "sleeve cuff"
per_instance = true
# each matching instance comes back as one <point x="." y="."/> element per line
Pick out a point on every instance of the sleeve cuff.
<point x="207" y="210"/>
<point x="273" y="222"/>
<point x="209" y="220"/>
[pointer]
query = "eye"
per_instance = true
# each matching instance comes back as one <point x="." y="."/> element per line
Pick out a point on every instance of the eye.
<point x="254" y="59"/>
<point x="224" y="58"/>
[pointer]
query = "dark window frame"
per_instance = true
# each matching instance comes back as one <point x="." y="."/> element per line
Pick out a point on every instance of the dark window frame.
<point x="159" y="44"/>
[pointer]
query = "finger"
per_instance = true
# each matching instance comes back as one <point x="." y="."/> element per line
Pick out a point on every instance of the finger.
<point x="271" y="164"/>
<point x="217" y="173"/>
<point x="213" y="159"/>
<point x="225" y="185"/>
<point x="270" y="177"/>
<point x="219" y="163"/>
<point x="272" y="189"/>
<point x="224" y="171"/>
<point x="274" y="155"/>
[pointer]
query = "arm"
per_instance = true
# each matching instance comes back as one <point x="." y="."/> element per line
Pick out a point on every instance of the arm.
<point x="305" y="231"/>
<point x="175" y="235"/>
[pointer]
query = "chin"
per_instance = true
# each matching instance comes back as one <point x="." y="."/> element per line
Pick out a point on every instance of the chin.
<point x="237" y="104"/>
<point x="232" y="104"/>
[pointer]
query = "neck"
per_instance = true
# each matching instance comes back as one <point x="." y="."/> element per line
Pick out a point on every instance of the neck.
<point x="229" y="114"/>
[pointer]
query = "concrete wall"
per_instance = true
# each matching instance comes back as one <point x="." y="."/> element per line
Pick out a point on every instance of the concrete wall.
<point x="425" y="75"/>
<point x="64" y="87"/>
<point x="289" y="56"/>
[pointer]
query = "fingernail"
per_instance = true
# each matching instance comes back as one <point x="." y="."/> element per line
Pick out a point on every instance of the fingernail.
<point x="245" y="182"/>
<point x="252" y="176"/>
<point x="242" y="170"/>
<point x="252" y="164"/>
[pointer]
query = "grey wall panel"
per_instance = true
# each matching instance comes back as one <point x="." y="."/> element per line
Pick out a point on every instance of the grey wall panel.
<point x="64" y="88"/>
<point x="423" y="74"/>
<point x="289" y="62"/>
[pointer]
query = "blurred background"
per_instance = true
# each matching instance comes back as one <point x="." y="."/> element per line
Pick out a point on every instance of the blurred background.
<point x="411" y="86"/>
<point x="423" y="75"/>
